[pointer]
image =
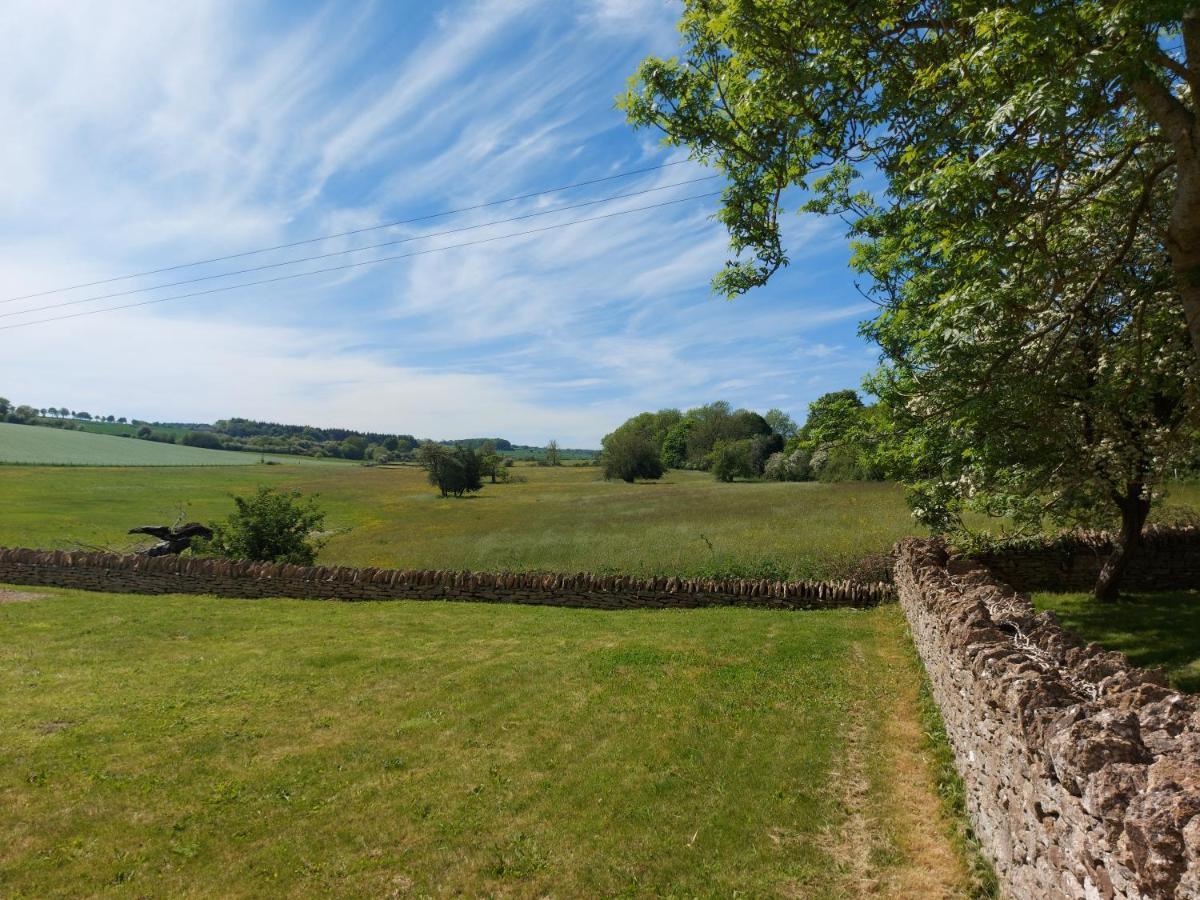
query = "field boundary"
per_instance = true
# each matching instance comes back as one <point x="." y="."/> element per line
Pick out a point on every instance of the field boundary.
<point x="1082" y="773"/>
<point x="115" y="573"/>
<point x="1168" y="560"/>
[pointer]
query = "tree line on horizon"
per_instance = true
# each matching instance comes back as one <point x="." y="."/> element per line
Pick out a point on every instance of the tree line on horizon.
<point x="839" y="441"/>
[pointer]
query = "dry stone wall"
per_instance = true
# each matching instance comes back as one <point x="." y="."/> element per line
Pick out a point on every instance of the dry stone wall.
<point x="1169" y="560"/>
<point x="174" y="575"/>
<point x="1082" y="773"/>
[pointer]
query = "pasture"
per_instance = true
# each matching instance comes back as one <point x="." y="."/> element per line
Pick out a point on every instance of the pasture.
<point x="174" y="746"/>
<point x="559" y="519"/>
<point x="35" y="445"/>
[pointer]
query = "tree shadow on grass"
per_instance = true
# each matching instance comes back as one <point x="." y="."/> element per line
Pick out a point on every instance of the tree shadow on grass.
<point x="1155" y="630"/>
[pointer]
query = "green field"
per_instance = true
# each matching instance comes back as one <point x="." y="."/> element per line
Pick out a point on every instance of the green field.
<point x="185" y="746"/>
<point x="562" y="519"/>
<point x="34" y="445"/>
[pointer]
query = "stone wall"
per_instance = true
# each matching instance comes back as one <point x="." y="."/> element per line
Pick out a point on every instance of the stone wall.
<point x="1169" y="560"/>
<point x="173" y="575"/>
<point x="1082" y="773"/>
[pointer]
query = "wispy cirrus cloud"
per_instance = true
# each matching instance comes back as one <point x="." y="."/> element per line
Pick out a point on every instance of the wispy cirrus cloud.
<point x="145" y="134"/>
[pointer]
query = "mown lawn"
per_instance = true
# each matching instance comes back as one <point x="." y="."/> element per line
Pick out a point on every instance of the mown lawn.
<point x="194" y="746"/>
<point x="1155" y="630"/>
<point x="560" y="519"/>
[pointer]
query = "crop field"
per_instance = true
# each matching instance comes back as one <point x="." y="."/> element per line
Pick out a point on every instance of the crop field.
<point x="29" y="444"/>
<point x="174" y="746"/>
<point x="559" y="519"/>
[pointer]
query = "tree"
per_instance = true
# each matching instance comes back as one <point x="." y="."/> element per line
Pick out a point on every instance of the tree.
<point x="732" y="459"/>
<point x="675" y="444"/>
<point x="452" y="471"/>
<point x="552" y="455"/>
<point x="1009" y="114"/>
<point x="1071" y="395"/>
<point x="833" y="418"/>
<point x="270" y="526"/>
<point x="5" y="406"/>
<point x="489" y="460"/>
<point x="629" y="455"/>
<point x="205" y="439"/>
<point x="781" y="423"/>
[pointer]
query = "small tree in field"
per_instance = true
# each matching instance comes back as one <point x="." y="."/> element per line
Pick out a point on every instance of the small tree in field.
<point x="553" y="458"/>
<point x="733" y="459"/>
<point x="489" y="460"/>
<point x="628" y="456"/>
<point x="270" y="526"/>
<point x="452" y="471"/>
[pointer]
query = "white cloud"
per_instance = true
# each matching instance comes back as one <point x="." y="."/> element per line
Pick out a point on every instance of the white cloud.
<point x="143" y="134"/>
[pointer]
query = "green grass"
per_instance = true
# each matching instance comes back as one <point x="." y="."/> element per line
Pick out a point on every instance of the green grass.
<point x="35" y="445"/>
<point x="186" y="746"/>
<point x="1155" y="630"/>
<point x="564" y="519"/>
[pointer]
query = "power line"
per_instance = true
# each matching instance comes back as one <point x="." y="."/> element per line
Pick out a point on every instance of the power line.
<point x="327" y="237"/>
<point x="367" y="262"/>
<point x="333" y="253"/>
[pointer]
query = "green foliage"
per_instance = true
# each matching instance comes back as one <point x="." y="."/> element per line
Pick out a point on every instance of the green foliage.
<point x="686" y="440"/>
<point x="675" y="444"/>
<point x="269" y="526"/>
<point x="793" y="466"/>
<point x="732" y="459"/>
<point x="454" y="471"/>
<point x="204" y="439"/>
<point x="974" y="112"/>
<point x="629" y="455"/>
<point x="781" y="423"/>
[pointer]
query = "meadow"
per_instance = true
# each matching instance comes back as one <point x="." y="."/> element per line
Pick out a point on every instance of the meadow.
<point x="35" y="445"/>
<point x="559" y="519"/>
<point x="178" y="746"/>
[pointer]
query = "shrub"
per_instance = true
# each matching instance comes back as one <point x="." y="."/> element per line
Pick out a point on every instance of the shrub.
<point x="792" y="466"/>
<point x="731" y="459"/>
<point x="269" y="526"/>
<point x="629" y="455"/>
<point x="205" y="439"/>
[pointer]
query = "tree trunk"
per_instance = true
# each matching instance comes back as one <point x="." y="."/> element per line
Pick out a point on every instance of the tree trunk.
<point x="1134" y="509"/>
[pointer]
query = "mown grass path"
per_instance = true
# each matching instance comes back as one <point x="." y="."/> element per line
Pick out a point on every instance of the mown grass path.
<point x="184" y="746"/>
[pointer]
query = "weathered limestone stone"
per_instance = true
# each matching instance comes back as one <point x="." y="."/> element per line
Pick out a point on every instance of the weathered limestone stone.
<point x="1082" y="773"/>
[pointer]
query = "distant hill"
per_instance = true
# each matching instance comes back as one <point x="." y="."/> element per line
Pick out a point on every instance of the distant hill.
<point x="27" y="444"/>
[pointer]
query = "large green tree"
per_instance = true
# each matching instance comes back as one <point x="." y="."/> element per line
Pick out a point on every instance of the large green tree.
<point x="1013" y="113"/>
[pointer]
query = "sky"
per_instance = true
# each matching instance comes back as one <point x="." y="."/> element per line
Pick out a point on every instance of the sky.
<point x="144" y="135"/>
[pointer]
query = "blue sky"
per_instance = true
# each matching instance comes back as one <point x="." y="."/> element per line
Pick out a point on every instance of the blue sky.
<point x="144" y="134"/>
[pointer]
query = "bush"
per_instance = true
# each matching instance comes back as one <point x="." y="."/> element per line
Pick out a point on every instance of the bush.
<point x="732" y="459"/>
<point x="456" y="471"/>
<point x="793" y="466"/>
<point x="628" y="456"/>
<point x="205" y="439"/>
<point x="270" y="526"/>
